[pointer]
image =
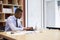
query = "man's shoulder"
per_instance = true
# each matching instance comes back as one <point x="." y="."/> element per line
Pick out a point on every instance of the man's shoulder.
<point x="10" y="17"/>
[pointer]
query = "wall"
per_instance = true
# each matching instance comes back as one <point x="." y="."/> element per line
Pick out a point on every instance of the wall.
<point x="50" y="13"/>
<point x="57" y="15"/>
<point x="34" y="13"/>
<point x="37" y="15"/>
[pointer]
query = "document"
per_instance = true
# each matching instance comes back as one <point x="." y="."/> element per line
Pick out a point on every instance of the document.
<point x="19" y="32"/>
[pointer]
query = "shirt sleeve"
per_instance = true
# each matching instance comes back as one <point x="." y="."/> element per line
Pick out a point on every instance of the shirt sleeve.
<point x="12" y="25"/>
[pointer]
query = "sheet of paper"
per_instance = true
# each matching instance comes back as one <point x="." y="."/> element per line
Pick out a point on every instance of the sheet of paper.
<point x="20" y="32"/>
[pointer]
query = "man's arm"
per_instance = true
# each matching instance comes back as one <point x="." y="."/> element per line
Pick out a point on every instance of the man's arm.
<point x="12" y="26"/>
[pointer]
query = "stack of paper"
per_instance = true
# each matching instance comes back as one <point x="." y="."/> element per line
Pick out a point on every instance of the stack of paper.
<point x="7" y="10"/>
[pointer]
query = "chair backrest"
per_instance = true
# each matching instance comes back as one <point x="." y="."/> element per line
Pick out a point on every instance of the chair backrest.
<point x="2" y="28"/>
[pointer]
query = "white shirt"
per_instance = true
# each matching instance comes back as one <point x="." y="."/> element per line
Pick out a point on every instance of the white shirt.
<point x="11" y="24"/>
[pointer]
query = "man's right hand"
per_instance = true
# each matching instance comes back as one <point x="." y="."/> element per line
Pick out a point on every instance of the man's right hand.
<point x="28" y="28"/>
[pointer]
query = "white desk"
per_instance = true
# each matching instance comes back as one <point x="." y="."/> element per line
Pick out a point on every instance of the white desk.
<point x="43" y="35"/>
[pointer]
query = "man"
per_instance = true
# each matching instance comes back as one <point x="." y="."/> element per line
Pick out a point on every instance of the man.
<point x="13" y="22"/>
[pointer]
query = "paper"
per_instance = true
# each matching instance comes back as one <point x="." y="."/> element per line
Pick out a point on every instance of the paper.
<point x="20" y="32"/>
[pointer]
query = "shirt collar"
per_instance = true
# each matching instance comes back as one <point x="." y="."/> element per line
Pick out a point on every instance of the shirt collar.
<point x="14" y="17"/>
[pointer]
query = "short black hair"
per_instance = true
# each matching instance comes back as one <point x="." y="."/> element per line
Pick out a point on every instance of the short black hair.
<point x="18" y="10"/>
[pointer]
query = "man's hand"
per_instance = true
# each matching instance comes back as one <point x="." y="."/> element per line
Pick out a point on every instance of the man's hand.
<point x="28" y="28"/>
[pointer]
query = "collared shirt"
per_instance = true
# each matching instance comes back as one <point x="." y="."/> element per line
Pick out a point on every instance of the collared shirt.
<point x="11" y="24"/>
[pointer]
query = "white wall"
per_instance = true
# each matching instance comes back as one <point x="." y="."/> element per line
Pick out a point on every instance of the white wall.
<point x="57" y="15"/>
<point x="34" y="13"/>
<point x="50" y="13"/>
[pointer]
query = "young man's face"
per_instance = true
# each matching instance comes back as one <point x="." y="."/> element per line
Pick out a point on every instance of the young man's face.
<point x="18" y="15"/>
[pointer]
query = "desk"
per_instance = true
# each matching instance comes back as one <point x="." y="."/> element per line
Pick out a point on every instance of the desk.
<point x="42" y="35"/>
<point x="12" y="36"/>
